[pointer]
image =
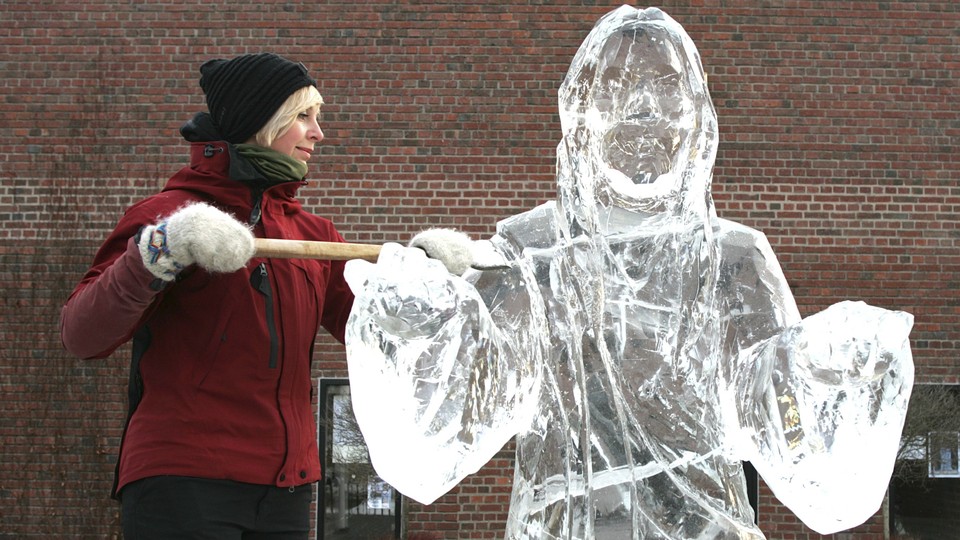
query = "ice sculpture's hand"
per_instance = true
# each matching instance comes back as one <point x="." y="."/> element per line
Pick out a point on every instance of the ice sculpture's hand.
<point x="407" y="309"/>
<point x="833" y="398"/>
<point x="197" y="233"/>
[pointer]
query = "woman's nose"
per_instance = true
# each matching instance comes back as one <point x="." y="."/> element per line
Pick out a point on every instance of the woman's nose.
<point x="315" y="132"/>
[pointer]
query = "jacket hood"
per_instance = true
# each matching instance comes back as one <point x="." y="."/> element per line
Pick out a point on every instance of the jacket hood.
<point x="217" y="171"/>
<point x="200" y="128"/>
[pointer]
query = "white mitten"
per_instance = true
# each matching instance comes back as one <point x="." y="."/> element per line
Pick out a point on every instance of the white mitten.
<point x="197" y="233"/>
<point x="451" y="247"/>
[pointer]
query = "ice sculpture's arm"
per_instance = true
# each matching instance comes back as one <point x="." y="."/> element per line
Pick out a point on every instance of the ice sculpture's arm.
<point x="439" y="380"/>
<point x="819" y="403"/>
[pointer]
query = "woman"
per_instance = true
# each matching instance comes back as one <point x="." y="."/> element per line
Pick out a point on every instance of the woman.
<point x="220" y="440"/>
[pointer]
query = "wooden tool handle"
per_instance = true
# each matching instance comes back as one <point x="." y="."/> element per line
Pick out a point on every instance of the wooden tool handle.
<point x="305" y="249"/>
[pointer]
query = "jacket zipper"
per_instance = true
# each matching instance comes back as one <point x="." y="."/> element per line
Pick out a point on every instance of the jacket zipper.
<point x="261" y="282"/>
<point x="257" y="209"/>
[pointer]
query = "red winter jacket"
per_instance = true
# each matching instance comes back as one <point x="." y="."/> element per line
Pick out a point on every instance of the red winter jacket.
<point x="220" y="379"/>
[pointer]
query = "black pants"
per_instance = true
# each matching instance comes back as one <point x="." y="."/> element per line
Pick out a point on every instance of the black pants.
<point x="165" y="507"/>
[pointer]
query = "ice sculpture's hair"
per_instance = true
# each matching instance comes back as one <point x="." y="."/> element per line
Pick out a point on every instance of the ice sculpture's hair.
<point x="585" y="78"/>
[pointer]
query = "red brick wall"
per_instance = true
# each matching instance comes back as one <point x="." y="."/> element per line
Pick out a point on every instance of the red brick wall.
<point x="839" y="122"/>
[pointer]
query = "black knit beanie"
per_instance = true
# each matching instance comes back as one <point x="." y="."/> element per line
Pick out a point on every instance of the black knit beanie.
<point x="244" y="92"/>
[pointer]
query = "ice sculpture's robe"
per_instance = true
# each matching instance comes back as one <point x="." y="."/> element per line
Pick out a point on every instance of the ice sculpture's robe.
<point x="628" y="438"/>
<point x="637" y="346"/>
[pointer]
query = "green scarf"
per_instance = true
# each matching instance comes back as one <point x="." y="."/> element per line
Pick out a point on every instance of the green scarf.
<point x="275" y="166"/>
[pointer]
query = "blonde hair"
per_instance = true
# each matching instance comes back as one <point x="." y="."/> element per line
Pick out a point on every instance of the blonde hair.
<point x="286" y="115"/>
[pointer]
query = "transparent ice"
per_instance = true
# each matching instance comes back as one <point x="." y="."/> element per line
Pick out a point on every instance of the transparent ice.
<point x="638" y="347"/>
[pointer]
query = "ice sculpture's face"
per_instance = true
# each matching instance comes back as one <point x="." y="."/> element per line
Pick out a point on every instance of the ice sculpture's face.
<point x="636" y="99"/>
<point x="642" y="106"/>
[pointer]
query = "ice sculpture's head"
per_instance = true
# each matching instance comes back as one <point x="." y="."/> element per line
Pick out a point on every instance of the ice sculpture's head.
<point x="635" y="102"/>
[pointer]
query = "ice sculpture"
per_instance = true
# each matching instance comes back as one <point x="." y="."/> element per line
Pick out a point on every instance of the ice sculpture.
<point x="636" y="345"/>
